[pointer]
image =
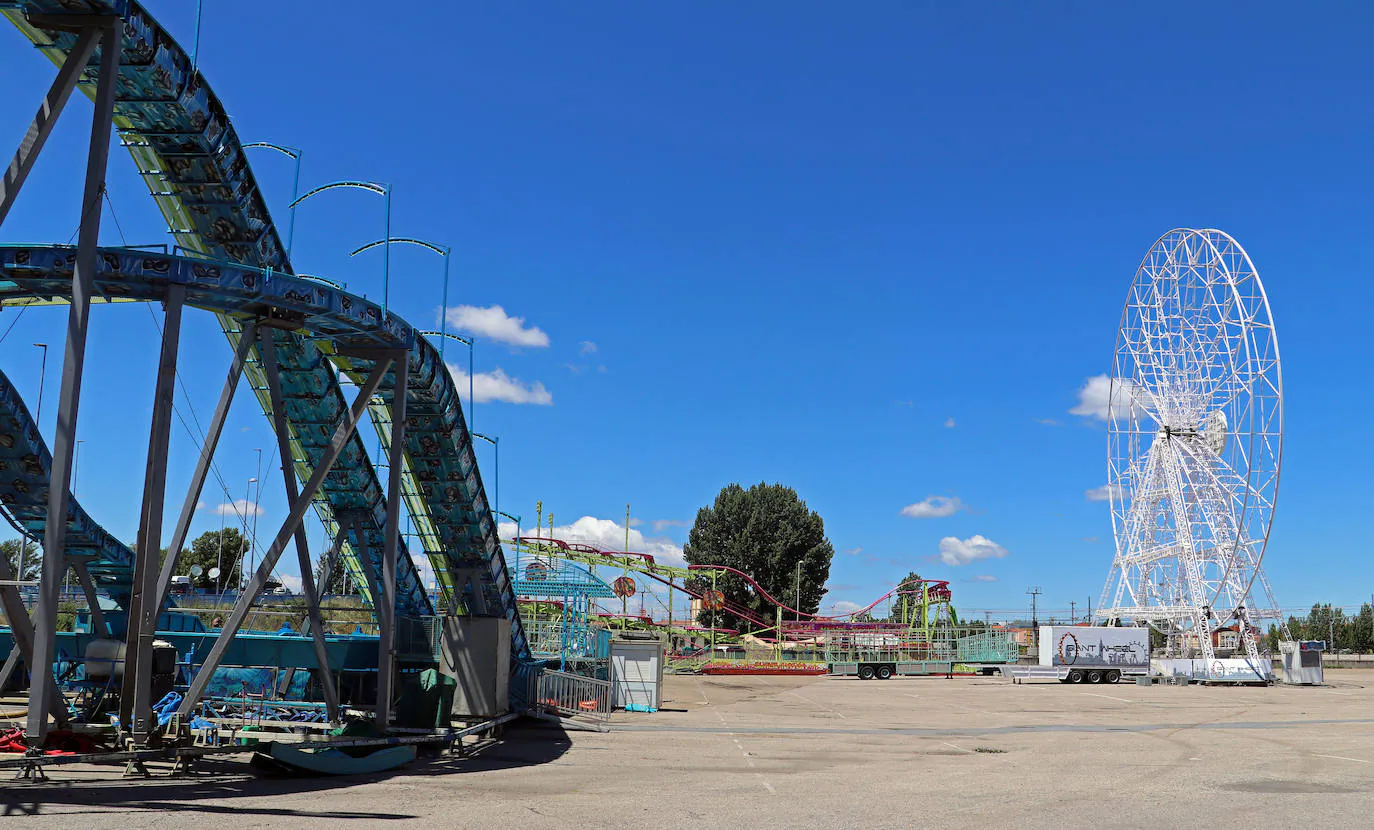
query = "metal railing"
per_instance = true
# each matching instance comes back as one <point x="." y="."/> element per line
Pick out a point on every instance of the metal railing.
<point x="574" y="696"/>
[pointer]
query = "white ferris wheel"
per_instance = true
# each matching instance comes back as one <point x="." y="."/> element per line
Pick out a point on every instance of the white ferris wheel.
<point x="1194" y="446"/>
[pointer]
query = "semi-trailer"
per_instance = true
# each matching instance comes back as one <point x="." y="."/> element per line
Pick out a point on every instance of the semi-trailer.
<point x="1093" y="654"/>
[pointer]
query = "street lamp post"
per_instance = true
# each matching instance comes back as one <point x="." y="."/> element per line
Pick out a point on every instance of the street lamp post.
<point x="496" y="443"/>
<point x="247" y="491"/>
<point x="294" y="155"/>
<point x="37" y="419"/>
<point x="383" y="190"/>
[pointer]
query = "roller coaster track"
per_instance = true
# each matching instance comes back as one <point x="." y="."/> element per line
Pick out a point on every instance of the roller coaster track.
<point x="192" y="161"/>
<point x="25" y="470"/>
<point x="689" y="580"/>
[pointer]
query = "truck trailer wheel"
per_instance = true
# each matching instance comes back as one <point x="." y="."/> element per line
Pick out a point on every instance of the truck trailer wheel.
<point x="865" y="672"/>
<point x="884" y="672"/>
<point x="1094" y="676"/>
<point x="1113" y="676"/>
<point x="1075" y="676"/>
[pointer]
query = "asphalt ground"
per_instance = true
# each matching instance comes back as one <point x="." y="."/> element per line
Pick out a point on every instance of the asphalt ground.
<point x="822" y="752"/>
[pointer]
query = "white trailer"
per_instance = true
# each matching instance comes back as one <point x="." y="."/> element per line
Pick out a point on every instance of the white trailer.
<point x="1089" y="654"/>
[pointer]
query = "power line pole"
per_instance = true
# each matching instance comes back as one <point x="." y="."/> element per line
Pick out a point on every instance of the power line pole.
<point x="1034" y="592"/>
<point x="1073" y="612"/>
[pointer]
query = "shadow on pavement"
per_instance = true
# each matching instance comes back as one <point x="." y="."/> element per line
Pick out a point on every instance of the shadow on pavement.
<point x="216" y="784"/>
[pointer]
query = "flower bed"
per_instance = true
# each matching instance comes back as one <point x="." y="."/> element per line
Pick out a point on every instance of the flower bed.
<point x="765" y="667"/>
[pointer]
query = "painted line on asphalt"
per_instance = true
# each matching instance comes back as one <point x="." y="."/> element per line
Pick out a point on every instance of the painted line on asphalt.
<point x="1108" y="697"/>
<point x="818" y="705"/>
<point x="1342" y="758"/>
<point x="934" y="732"/>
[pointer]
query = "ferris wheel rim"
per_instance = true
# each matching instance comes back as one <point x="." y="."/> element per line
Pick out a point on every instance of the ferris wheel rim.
<point x="1125" y="433"/>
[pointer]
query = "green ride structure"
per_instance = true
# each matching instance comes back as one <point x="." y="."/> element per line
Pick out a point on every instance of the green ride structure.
<point x="915" y="622"/>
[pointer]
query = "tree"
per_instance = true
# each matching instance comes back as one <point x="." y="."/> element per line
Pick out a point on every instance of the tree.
<point x="207" y="551"/>
<point x="33" y="560"/>
<point x="335" y="582"/>
<point x="906" y="607"/>
<point x="765" y="532"/>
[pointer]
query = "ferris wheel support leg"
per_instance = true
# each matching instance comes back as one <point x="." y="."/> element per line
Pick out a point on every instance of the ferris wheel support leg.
<point x="268" y="351"/>
<point x="43" y="689"/>
<point x="345" y="430"/>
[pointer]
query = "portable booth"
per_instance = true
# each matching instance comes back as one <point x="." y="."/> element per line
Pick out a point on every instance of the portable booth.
<point x="636" y="671"/>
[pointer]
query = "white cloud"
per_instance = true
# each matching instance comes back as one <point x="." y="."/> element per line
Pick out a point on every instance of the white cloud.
<point x="586" y="347"/>
<point x="933" y="507"/>
<point x="661" y="525"/>
<point x="955" y="551"/>
<point x="983" y="578"/>
<point x="494" y="323"/>
<point x="608" y="534"/>
<point x="241" y="507"/>
<point x="843" y="607"/>
<point x="1103" y="493"/>
<point x="855" y="551"/>
<point x="1095" y="398"/>
<point x="949" y="423"/>
<point x="496" y="385"/>
<point x="1049" y="422"/>
<point x="291" y="583"/>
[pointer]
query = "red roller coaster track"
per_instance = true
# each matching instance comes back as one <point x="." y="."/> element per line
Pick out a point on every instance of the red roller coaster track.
<point x="936" y="589"/>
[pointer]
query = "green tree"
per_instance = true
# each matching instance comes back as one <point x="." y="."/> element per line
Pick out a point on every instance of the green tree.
<point x="209" y="551"/>
<point x="765" y="532"/>
<point x="334" y="583"/>
<point x="906" y="603"/>
<point x="33" y="560"/>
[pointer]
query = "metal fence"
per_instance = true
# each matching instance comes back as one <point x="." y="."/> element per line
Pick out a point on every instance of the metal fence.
<point x="897" y="643"/>
<point x="572" y="695"/>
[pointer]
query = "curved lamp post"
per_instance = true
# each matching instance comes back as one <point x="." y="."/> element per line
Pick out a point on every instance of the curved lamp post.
<point x="515" y="519"/>
<point x="443" y="251"/>
<point x="383" y="190"/>
<point x="467" y="341"/>
<point x="291" y="153"/>
<point x="495" y="442"/>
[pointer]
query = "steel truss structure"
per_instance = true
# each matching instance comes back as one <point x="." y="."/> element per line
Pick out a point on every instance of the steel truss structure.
<point x="923" y="623"/>
<point x="294" y="339"/>
<point x="1194" y="448"/>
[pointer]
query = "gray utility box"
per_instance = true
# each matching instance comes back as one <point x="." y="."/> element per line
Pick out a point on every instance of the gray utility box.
<point x="636" y="671"/>
<point x="1302" y="662"/>
<point x="475" y="652"/>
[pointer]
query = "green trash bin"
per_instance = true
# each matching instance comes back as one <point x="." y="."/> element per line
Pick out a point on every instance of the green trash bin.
<point x="426" y="700"/>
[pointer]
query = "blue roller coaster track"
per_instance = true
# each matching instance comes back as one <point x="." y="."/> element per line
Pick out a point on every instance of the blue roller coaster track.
<point x="232" y="262"/>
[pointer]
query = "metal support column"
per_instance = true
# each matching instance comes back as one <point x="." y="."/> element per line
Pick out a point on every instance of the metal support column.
<point x="247" y="336"/>
<point x="135" y="699"/>
<point x="83" y="576"/>
<point x="21" y="629"/>
<point x="386" y="649"/>
<point x="43" y="688"/>
<point x="43" y="122"/>
<point x="345" y="430"/>
<point x="267" y="348"/>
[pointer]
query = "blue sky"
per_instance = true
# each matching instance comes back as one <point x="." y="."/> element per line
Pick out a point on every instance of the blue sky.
<point x="869" y="252"/>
